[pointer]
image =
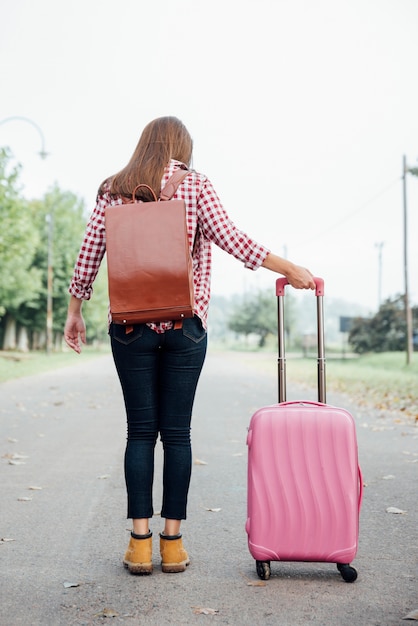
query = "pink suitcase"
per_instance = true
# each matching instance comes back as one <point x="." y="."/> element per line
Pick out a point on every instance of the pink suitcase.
<point x="304" y="481"/>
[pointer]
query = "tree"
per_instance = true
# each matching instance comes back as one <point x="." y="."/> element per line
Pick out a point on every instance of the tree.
<point x="20" y="280"/>
<point x="68" y="223"/>
<point x="385" y="332"/>
<point x="256" y="314"/>
<point x="95" y="310"/>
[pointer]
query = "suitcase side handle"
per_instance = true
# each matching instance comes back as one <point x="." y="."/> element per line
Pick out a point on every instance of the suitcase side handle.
<point x="282" y="282"/>
<point x="360" y="487"/>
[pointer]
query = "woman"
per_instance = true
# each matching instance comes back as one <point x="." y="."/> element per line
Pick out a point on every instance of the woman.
<point x="158" y="365"/>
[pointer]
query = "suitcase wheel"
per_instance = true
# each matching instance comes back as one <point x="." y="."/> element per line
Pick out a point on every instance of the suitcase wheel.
<point x="263" y="569"/>
<point x="348" y="573"/>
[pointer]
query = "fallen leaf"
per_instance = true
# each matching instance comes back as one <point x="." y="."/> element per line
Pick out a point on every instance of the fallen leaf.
<point x="204" y="611"/>
<point x="254" y="583"/>
<point x="199" y="462"/>
<point x="107" y="613"/>
<point x="393" y="509"/>
<point x="412" y="615"/>
<point x="67" y="584"/>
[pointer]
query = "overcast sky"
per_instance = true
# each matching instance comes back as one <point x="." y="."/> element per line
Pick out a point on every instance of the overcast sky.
<point x="300" y="111"/>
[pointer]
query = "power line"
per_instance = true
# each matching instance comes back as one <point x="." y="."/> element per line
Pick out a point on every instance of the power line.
<point x="353" y="213"/>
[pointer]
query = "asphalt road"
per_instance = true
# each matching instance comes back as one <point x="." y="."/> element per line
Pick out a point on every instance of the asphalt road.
<point x="64" y="531"/>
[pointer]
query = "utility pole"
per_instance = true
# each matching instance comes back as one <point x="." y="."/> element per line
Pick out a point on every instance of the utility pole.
<point x="379" y="247"/>
<point x="408" y="312"/>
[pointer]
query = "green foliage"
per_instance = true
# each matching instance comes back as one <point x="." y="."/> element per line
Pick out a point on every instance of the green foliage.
<point x="19" y="279"/>
<point x="95" y="310"/>
<point x="59" y="214"/>
<point x="32" y="234"/>
<point x="382" y="380"/>
<point x="385" y="332"/>
<point x="254" y="314"/>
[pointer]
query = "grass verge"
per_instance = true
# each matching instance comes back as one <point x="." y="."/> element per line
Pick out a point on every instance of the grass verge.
<point x="383" y="381"/>
<point x="17" y="364"/>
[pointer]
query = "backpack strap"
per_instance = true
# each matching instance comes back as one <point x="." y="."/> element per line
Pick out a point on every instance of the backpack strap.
<point x="173" y="182"/>
<point x="166" y="194"/>
<point x="171" y="187"/>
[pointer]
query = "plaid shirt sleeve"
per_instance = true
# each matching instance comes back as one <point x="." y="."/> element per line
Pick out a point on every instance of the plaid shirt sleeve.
<point x="217" y="227"/>
<point x="91" y="252"/>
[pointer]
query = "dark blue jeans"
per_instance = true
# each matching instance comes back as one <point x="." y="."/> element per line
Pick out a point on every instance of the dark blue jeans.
<point x="159" y="375"/>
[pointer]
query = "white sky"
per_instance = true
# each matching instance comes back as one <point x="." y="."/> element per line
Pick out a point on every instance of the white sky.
<point x="300" y="110"/>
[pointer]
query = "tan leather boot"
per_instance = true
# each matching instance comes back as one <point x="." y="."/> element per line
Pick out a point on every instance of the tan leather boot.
<point x="174" y="557"/>
<point x="138" y="557"/>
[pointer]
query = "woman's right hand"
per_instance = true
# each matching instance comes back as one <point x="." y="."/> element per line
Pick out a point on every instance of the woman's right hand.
<point x="75" y="327"/>
<point x="297" y="276"/>
<point x="75" y="332"/>
<point x="300" y="277"/>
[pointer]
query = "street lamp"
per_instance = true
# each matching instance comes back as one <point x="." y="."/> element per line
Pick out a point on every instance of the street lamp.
<point x="43" y="154"/>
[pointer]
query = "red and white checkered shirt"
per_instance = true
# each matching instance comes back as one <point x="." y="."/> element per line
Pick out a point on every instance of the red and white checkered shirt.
<point x="206" y="220"/>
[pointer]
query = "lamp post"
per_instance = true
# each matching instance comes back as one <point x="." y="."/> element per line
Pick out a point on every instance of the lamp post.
<point x="49" y="285"/>
<point x="43" y="154"/>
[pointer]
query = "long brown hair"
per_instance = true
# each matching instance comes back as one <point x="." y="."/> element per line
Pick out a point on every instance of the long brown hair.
<point x="162" y="139"/>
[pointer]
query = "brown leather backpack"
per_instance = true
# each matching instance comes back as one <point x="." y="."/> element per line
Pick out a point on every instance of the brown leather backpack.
<point x="149" y="262"/>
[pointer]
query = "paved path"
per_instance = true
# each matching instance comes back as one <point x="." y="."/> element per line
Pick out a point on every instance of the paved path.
<point x="63" y="435"/>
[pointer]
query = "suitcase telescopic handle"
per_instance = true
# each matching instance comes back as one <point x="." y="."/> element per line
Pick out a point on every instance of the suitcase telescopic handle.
<point x="319" y="293"/>
<point x="282" y="282"/>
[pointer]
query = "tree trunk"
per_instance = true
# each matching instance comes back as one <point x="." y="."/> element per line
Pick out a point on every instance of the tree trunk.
<point x="9" y="341"/>
<point x="58" y="338"/>
<point x="22" y="339"/>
